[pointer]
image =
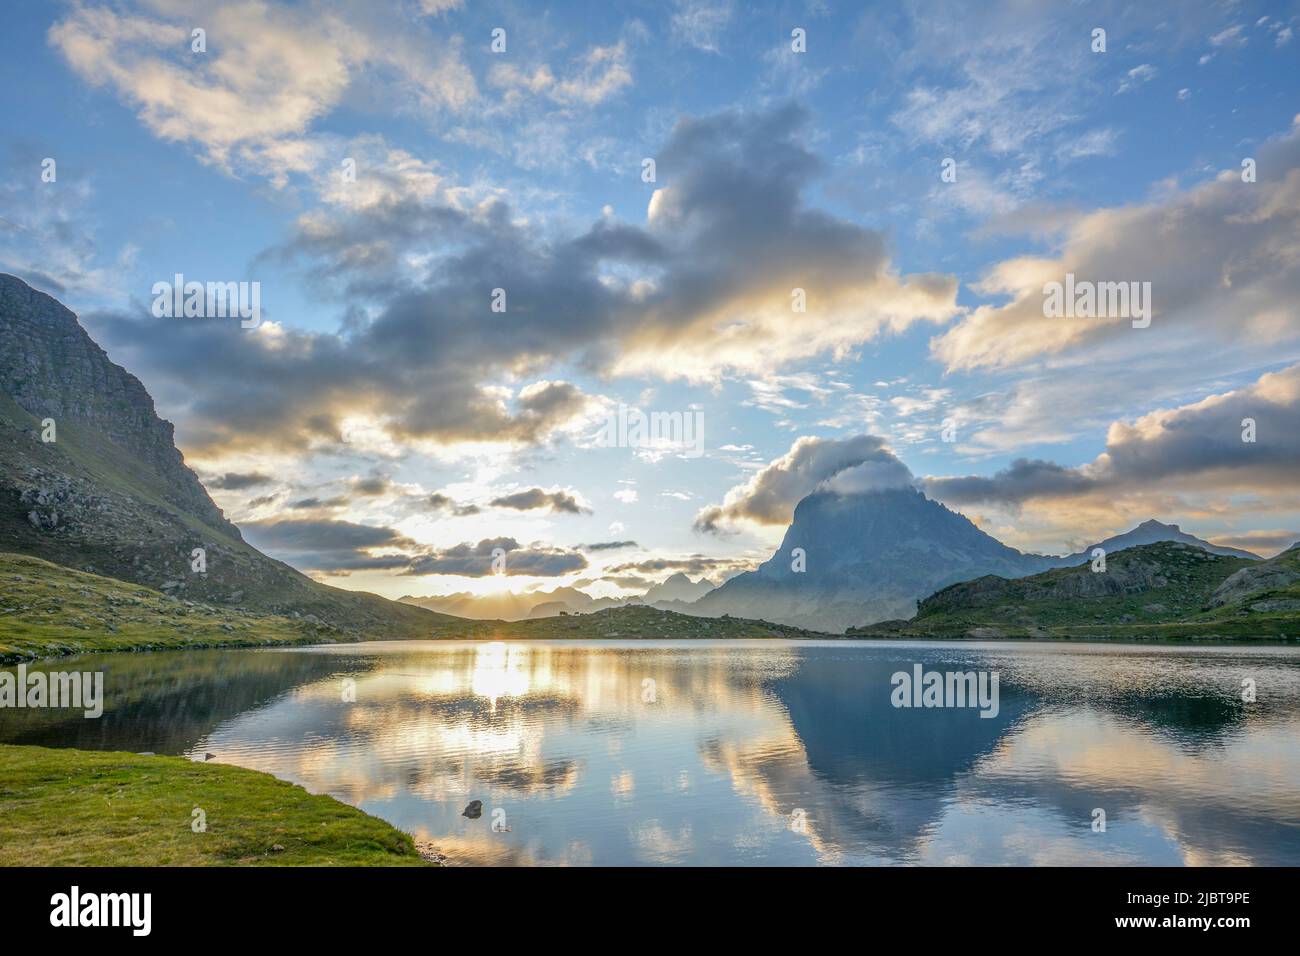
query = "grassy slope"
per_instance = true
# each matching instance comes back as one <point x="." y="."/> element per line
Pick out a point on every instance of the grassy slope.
<point x="76" y="808"/>
<point x="141" y="523"/>
<point x="1040" y="606"/>
<point x="47" y="609"/>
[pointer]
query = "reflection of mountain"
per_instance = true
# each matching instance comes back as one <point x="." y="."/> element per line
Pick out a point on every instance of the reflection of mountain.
<point x="702" y="753"/>
<point x="878" y="777"/>
<point x="164" y="702"/>
<point x="841" y="710"/>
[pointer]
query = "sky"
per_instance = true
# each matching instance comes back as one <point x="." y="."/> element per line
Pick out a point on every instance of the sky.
<point x="818" y="234"/>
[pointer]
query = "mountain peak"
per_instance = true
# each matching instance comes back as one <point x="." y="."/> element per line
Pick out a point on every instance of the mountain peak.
<point x="1152" y="531"/>
<point x="865" y="556"/>
<point x="1152" y="524"/>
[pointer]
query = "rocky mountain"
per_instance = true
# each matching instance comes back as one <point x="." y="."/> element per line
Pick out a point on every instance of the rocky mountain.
<point x="1149" y="532"/>
<point x="872" y="556"/>
<point x="850" y="559"/>
<point x="1168" y="589"/>
<point x="516" y="607"/>
<point x="106" y="490"/>
<point x="677" y="587"/>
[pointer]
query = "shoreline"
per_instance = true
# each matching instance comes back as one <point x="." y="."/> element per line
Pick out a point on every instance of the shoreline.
<point x="124" y="809"/>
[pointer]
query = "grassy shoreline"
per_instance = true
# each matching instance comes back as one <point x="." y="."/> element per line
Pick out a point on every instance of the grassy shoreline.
<point x="65" y="807"/>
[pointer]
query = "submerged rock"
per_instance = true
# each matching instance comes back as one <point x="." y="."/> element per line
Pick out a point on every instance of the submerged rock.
<point x="474" y="810"/>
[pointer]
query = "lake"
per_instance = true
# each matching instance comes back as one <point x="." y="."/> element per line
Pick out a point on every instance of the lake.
<point x="743" y="753"/>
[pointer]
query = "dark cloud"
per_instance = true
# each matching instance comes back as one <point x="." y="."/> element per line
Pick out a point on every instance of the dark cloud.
<point x="1022" y="479"/>
<point x="729" y="231"/>
<point x="236" y="481"/>
<point x="692" y="564"/>
<point x="535" y="499"/>
<point x="608" y="546"/>
<point x="1259" y="542"/>
<point x="440" y="502"/>
<point x="324" y="545"/>
<point x="371" y="487"/>
<point x="476" y="560"/>
<point x="631" y="582"/>
<point x="1197" y="446"/>
<point x="306" y="504"/>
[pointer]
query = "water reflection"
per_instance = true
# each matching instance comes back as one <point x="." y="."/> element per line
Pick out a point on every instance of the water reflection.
<point x="730" y="753"/>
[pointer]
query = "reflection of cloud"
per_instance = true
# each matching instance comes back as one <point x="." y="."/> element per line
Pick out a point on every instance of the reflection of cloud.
<point x="559" y="739"/>
<point x="1203" y="804"/>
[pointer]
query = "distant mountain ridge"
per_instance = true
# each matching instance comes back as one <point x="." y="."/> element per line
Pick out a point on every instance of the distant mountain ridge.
<point x="112" y="495"/>
<point x="872" y="556"/>
<point x="675" y="593"/>
<point x="1150" y="532"/>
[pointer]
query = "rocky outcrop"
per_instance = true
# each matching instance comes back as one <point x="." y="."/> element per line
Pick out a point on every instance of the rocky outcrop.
<point x="111" y="494"/>
<point x="51" y="368"/>
<point x="1276" y="574"/>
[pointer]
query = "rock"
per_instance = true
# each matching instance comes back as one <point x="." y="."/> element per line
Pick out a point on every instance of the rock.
<point x="277" y="848"/>
<point x="474" y="810"/>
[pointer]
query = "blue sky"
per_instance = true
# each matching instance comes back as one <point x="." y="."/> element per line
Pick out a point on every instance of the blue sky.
<point x="384" y="399"/>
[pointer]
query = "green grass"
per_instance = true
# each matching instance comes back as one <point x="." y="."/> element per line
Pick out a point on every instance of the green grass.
<point x="1044" y="606"/>
<point x="82" y="808"/>
<point x="48" y="610"/>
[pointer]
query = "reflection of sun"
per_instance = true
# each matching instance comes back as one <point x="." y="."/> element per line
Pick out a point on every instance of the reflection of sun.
<point x="500" y="670"/>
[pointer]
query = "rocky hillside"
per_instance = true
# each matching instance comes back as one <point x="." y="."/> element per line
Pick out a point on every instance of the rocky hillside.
<point x="111" y="494"/>
<point x="1163" y="590"/>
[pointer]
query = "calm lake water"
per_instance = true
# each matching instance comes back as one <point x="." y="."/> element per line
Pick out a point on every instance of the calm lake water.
<point x="663" y="752"/>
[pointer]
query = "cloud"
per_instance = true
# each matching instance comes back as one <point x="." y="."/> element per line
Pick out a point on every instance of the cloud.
<point x="607" y="546"/>
<point x="325" y="545"/>
<point x="1136" y="77"/>
<point x="1192" y="448"/>
<point x="694" y="564"/>
<point x="703" y="289"/>
<point x="1258" y="542"/>
<point x="535" y="499"/>
<point x="312" y="504"/>
<point x="848" y="466"/>
<point x="440" y="502"/>
<point x="477" y="560"/>
<point x="371" y="487"/>
<point x="700" y="23"/>
<point x="1221" y="258"/>
<point x="269" y="73"/>
<point x="597" y="75"/>
<point x="236" y="481"/>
